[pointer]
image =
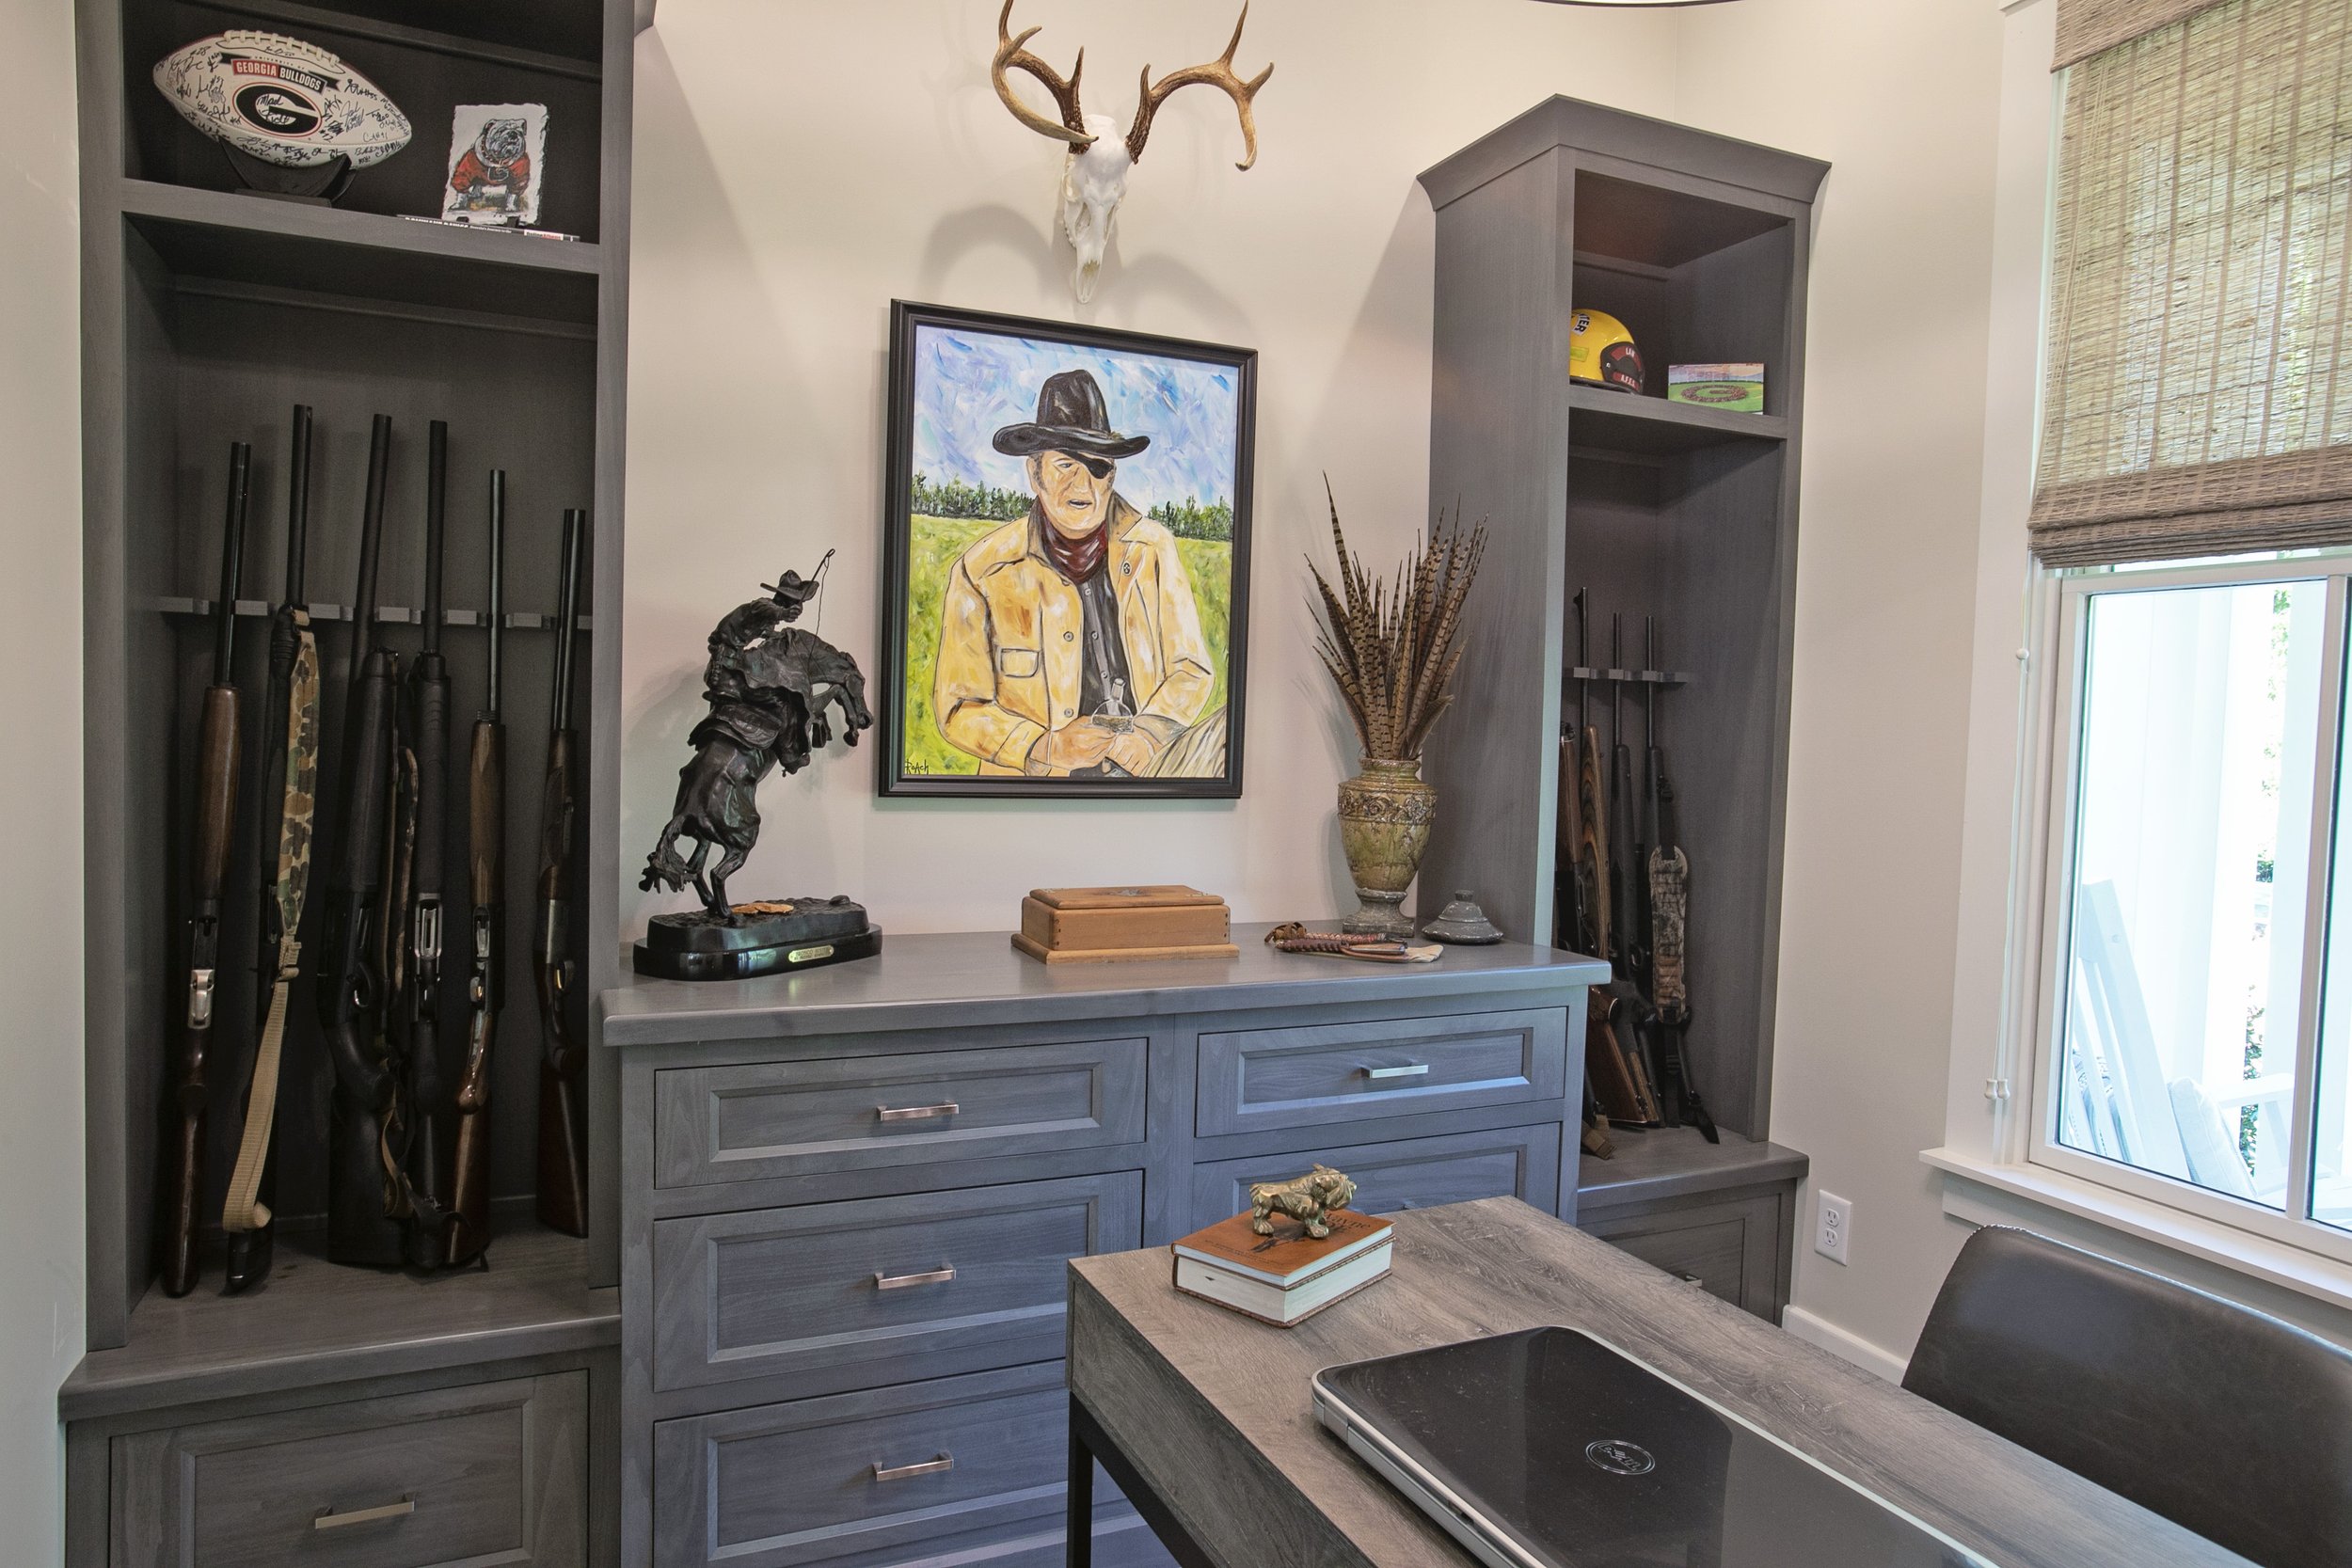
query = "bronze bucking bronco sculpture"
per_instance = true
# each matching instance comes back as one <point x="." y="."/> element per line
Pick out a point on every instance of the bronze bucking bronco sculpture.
<point x="774" y="691"/>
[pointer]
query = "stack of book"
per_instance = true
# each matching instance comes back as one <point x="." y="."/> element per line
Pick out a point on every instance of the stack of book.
<point x="1286" y="1277"/>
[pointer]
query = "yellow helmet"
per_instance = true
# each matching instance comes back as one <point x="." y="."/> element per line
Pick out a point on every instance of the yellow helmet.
<point x="1601" y="351"/>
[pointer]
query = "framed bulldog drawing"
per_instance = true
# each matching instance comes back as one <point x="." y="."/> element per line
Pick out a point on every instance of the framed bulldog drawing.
<point x="1066" y="593"/>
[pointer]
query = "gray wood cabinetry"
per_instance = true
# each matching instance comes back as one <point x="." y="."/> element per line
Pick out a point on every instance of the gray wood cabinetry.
<point x="488" y="1398"/>
<point x="1719" y="1216"/>
<point x="849" y="1198"/>
<point x="482" y="1473"/>
<point x="1700" y="246"/>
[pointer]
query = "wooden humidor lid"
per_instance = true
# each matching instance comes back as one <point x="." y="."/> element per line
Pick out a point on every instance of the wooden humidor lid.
<point x="1165" y="895"/>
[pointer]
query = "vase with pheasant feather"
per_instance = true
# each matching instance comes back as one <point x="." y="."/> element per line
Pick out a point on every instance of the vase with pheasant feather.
<point x="1391" y="648"/>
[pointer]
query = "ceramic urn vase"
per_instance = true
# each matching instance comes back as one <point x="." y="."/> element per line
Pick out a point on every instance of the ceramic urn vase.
<point x="1385" y="813"/>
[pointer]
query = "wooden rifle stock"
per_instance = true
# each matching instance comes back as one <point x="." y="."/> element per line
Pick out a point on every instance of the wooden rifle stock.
<point x="215" y="829"/>
<point x="360" y="1227"/>
<point x="486" y="885"/>
<point x="426" y="1160"/>
<point x="289" y="783"/>
<point x="562" y="1153"/>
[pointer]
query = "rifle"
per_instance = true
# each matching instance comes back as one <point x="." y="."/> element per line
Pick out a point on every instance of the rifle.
<point x="290" y="763"/>
<point x="1626" y="1009"/>
<point x="1668" y="1096"/>
<point x="216" y="827"/>
<point x="563" y="1162"/>
<point x="486" y="884"/>
<point x="1576" y="927"/>
<point x="1670" y="904"/>
<point x="425" y="1191"/>
<point x="359" y="1226"/>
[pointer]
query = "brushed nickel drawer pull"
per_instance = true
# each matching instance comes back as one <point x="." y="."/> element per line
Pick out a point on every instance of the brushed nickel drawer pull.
<point x="929" y="1467"/>
<point x="1414" y="1069"/>
<point x="365" y="1515"/>
<point x="940" y="1276"/>
<point x="1689" y="1279"/>
<point x="915" y="1113"/>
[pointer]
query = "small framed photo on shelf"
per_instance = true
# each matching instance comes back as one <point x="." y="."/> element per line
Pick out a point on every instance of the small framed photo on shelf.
<point x="496" y="164"/>
<point x="1736" y="387"/>
<point x="1066" y="593"/>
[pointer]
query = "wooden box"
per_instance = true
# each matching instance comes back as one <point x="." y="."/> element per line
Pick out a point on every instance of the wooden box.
<point x="1103" y="924"/>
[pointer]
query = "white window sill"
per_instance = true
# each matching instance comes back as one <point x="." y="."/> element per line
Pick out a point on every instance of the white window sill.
<point x="2288" y="1267"/>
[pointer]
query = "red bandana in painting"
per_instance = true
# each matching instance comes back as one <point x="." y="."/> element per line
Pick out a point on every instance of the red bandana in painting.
<point x="1076" y="558"/>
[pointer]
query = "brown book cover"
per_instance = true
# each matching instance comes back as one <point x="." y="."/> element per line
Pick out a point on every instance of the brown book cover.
<point x="1288" y="1254"/>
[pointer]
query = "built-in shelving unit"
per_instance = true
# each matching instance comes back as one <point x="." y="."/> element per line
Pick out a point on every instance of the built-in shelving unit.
<point x="1699" y="244"/>
<point x="208" y="312"/>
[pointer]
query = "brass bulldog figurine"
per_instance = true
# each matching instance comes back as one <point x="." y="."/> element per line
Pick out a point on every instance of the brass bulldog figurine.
<point x="1309" y="1200"/>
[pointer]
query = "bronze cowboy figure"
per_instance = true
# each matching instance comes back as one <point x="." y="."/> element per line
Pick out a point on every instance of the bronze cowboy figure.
<point x="769" y="685"/>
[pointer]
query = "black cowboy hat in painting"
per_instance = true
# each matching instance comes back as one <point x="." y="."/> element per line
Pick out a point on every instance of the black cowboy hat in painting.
<point x="1071" y="417"/>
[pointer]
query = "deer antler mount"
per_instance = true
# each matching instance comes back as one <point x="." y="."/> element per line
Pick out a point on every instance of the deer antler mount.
<point x="1094" y="180"/>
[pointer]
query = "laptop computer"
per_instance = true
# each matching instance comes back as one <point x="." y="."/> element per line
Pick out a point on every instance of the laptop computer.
<point x="1551" y="1449"/>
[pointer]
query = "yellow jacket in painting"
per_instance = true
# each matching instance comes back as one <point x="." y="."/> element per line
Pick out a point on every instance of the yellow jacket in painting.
<point x="1008" y="625"/>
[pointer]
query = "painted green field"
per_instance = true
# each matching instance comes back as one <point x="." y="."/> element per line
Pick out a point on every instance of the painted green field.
<point x="937" y="543"/>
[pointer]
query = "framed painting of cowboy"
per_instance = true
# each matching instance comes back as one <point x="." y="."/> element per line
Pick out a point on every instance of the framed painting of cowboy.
<point x="1066" y="593"/>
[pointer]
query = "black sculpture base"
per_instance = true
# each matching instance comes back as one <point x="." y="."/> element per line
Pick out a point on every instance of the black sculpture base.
<point x="319" y="185"/>
<point x="770" y="938"/>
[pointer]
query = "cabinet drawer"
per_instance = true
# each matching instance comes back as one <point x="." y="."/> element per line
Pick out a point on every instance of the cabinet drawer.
<point x="1410" y="1173"/>
<point x="1727" y="1249"/>
<point x="1321" y="1073"/>
<point x="825" y="1284"/>
<point x="496" y="1473"/>
<point x="811" y="1482"/>
<point x="795" y="1118"/>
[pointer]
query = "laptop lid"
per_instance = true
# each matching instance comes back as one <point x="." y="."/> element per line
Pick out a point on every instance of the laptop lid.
<point x="1569" y="1454"/>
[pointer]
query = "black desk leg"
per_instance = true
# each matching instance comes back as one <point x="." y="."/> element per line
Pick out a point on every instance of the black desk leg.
<point x="1079" y="1524"/>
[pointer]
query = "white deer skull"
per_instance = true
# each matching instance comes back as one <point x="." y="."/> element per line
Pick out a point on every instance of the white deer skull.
<point x="1094" y="180"/>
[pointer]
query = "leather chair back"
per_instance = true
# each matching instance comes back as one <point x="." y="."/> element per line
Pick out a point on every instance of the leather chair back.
<point x="2230" y="1423"/>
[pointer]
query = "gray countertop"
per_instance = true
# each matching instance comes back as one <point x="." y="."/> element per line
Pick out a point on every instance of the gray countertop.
<point x="978" y="978"/>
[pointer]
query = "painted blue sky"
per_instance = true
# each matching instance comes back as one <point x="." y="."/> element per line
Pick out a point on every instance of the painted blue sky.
<point x="968" y="385"/>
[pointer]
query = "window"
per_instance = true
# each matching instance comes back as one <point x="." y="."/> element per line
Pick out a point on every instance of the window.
<point x="2197" y="997"/>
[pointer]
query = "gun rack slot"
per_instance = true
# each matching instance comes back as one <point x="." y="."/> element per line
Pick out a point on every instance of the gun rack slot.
<point x="385" y="615"/>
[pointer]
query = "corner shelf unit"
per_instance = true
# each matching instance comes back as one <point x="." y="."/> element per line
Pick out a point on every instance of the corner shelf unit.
<point x="207" y="314"/>
<point x="1699" y="244"/>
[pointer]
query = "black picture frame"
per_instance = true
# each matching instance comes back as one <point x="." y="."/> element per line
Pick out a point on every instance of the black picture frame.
<point x="896" y="778"/>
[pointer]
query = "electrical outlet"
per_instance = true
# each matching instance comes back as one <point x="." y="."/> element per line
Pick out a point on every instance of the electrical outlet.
<point x="1833" y="1229"/>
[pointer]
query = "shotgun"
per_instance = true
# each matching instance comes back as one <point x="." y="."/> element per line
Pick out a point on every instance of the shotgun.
<point x="1670" y="980"/>
<point x="360" y="1227"/>
<point x="486" y="884"/>
<point x="290" y="763"/>
<point x="216" y="827"/>
<point x="563" y="1165"/>
<point x="425" y="1194"/>
<point x="1656" y="1047"/>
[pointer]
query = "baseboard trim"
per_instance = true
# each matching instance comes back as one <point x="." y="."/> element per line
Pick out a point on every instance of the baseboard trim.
<point x="1843" y="1343"/>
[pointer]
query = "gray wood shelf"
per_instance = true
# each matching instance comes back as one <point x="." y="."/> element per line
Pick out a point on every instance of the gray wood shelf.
<point x="976" y="979"/>
<point x="280" y="221"/>
<point x="312" y="1322"/>
<point x="1676" y="1161"/>
<point x="1628" y="421"/>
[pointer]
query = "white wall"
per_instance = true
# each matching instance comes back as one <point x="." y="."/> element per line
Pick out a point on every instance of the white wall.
<point x="41" y="774"/>
<point x="1903" y="101"/>
<point x="799" y="165"/>
<point x="780" y="206"/>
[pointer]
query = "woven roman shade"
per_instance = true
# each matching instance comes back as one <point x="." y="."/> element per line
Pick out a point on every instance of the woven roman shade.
<point x="2200" y="399"/>
<point x="2087" y="27"/>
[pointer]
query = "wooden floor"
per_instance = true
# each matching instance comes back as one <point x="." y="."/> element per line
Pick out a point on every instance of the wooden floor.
<point x="315" y="1320"/>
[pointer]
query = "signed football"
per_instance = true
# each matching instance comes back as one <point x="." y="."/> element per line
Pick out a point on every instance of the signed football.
<point x="281" y="101"/>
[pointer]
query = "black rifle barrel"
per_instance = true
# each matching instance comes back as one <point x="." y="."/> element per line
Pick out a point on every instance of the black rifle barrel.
<point x="436" y="519"/>
<point x="495" y="683"/>
<point x="298" y="506"/>
<point x="370" y="541"/>
<point x="567" y="615"/>
<point x="231" y="565"/>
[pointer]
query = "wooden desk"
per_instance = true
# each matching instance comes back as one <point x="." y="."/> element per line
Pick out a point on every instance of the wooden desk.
<point x="1204" y="1417"/>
